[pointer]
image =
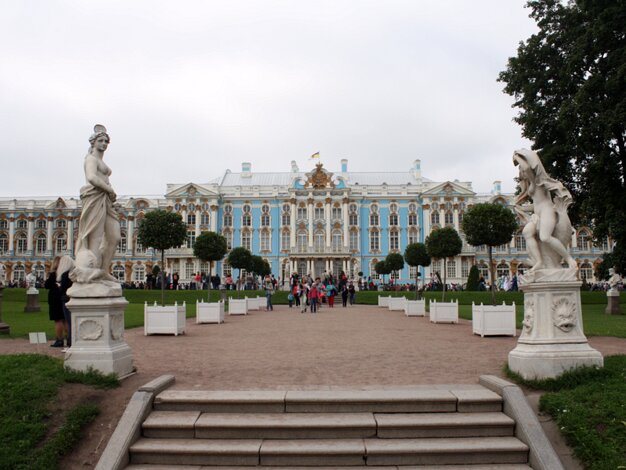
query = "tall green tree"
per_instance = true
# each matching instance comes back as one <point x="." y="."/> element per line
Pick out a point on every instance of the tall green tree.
<point x="162" y="230"/>
<point x="415" y="255"/>
<point x="489" y="224"/>
<point x="443" y="243"/>
<point x="569" y="84"/>
<point x="394" y="262"/>
<point x="260" y="266"/>
<point x="381" y="268"/>
<point x="240" y="258"/>
<point x="210" y="247"/>
<point x="473" y="279"/>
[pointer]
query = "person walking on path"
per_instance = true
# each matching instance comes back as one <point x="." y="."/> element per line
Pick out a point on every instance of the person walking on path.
<point x="344" y="295"/>
<point x="269" y="291"/>
<point x="55" y="304"/>
<point x="351" y="292"/>
<point x="66" y="264"/>
<point x="304" y="297"/>
<point x="314" y="296"/>
<point x="330" y="293"/>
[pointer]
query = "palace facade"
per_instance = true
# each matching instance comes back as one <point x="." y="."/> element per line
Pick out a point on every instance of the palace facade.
<point x="307" y="222"/>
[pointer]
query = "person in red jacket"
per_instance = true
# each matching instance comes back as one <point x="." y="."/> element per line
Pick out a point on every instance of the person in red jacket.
<point x="314" y="295"/>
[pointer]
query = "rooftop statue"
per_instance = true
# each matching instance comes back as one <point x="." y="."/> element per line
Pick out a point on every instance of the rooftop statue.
<point x="99" y="227"/>
<point x="542" y="204"/>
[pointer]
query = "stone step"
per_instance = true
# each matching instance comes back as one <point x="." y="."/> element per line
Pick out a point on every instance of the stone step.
<point x="331" y="401"/>
<point x="190" y="424"/>
<point x="427" y="425"/>
<point x="327" y="452"/>
<point x="439" y="451"/>
<point x="367" y="467"/>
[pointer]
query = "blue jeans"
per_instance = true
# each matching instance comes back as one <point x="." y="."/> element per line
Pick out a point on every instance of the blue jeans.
<point x="313" y="305"/>
<point x="269" y="305"/>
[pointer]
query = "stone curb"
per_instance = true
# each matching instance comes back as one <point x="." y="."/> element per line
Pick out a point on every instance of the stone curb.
<point x="128" y="430"/>
<point x="527" y="427"/>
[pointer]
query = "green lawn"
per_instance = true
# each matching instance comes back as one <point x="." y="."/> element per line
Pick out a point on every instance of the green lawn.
<point x="596" y="322"/>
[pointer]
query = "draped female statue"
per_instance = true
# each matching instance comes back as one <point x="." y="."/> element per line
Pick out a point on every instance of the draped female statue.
<point x="542" y="205"/>
<point x="99" y="226"/>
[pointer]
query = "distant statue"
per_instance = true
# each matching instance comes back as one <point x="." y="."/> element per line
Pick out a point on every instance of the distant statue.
<point x="31" y="279"/>
<point x="2" y="275"/>
<point x="614" y="280"/>
<point x="543" y="204"/>
<point x="99" y="227"/>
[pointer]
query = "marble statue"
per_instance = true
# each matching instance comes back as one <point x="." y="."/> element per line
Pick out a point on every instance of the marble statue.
<point x="614" y="280"/>
<point x="31" y="279"/>
<point x="2" y="275"/>
<point x="542" y="204"/>
<point x="99" y="227"/>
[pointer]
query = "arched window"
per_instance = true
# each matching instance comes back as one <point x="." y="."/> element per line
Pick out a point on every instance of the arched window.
<point x="449" y="218"/>
<point x="354" y="240"/>
<point x="41" y="224"/>
<point x="393" y="219"/>
<point x="336" y="212"/>
<point x="502" y="270"/>
<point x="121" y="246"/>
<point x="191" y="238"/>
<point x="61" y="223"/>
<point x="139" y="273"/>
<point x="4" y="243"/>
<point x="483" y="270"/>
<point x="394" y="240"/>
<point x="246" y="220"/>
<point x="373" y="220"/>
<point x="228" y="220"/>
<point x="4" y="224"/>
<point x="285" y="239"/>
<point x="521" y="269"/>
<point x="119" y="273"/>
<point x="413" y="235"/>
<point x="226" y="269"/>
<point x="319" y="239"/>
<point x="286" y="217"/>
<point x="22" y="223"/>
<point x="266" y="240"/>
<point x="60" y="244"/>
<point x="374" y="241"/>
<point x="246" y="239"/>
<point x="265" y="220"/>
<point x="586" y="271"/>
<point x="40" y="271"/>
<point x="412" y="219"/>
<point x="434" y="218"/>
<point x="228" y="235"/>
<point x="21" y="243"/>
<point x="41" y="244"/>
<point x="451" y="268"/>
<point x="337" y="240"/>
<point x="19" y="273"/>
<point x="583" y="240"/>
<point x="520" y="242"/>
<point x="190" y="270"/>
<point x="205" y="219"/>
<point x="373" y="273"/>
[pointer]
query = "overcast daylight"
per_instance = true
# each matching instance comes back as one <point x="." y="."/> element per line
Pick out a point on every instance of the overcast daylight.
<point x="189" y="89"/>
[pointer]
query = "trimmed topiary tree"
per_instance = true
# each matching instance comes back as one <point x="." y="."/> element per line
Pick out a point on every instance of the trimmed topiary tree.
<point x="240" y="258"/>
<point x="473" y="279"/>
<point x="381" y="268"/>
<point x="415" y="255"/>
<point x="442" y="244"/>
<point x="489" y="224"/>
<point x="394" y="262"/>
<point x="209" y="247"/>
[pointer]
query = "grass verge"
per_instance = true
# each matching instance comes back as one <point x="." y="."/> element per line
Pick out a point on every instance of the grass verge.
<point x="29" y="384"/>
<point x="589" y="406"/>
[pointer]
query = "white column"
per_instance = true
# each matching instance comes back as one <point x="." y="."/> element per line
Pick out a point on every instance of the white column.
<point x="345" y="266"/>
<point x="214" y="218"/>
<point x="329" y="266"/>
<point x="70" y="235"/>
<point x="11" y="235"/>
<point x="327" y="216"/>
<point x="292" y="225"/>
<point x="129" y="235"/>
<point x="31" y="230"/>
<point x="310" y="206"/>
<point x="49" y="247"/>
<point x="198" y="215"/>
<point x="346" y="233"/>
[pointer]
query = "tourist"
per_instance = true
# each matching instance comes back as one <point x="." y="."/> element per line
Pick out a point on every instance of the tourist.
<point x="330" y="293"/>
<point x="344" y="295"/>
<point x="175" y="280"/>
<point x="66" y="264"/>
<point x="304" y="296"/>
<point x="314" y="297"/>
<point x="269" y="291"/>
<point x="295" y="291"/>
<point x="351" y="292"/>
<point x="55" y="304"/>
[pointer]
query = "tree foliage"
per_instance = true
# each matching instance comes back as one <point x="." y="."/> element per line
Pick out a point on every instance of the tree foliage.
<point x="492" y="225"/>
<point x="162" y="230"/>
<point x="260" y="266"/>
<point x="569" y="83"/>
<point x="395" y="262"/>
<point x="382" y="269"/>
<point x="240" y="258"/>
<point x="209" y="247"/>
<point x="444" y="243"/>
<point x="415" y="255"/>
<point x="473" y="279"/>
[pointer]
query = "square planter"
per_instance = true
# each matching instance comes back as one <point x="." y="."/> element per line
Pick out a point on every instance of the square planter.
<point x="444" y="312"/>
<point x="493" y="319"/>
<point x="383" y="301"/>
<point x="397" y="303"/>
<point x="168" y="320"/>
<point x="237" y="306"/>
<point x="253" y="303"/>
<point x="415" y="308"/>
<point x="209" y="312"/>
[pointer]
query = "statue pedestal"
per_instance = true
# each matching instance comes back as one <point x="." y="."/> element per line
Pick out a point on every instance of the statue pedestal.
<point x="32" y="301"/>
<point x="98" y="336"/>
<point x="612" y="306"/>
<point x="552" y="339"/>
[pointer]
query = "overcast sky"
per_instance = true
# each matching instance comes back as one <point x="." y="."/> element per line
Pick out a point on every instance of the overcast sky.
<point x="188" y="89"/>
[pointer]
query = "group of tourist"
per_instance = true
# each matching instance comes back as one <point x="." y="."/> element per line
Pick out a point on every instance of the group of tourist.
<point x="308" y="293"/>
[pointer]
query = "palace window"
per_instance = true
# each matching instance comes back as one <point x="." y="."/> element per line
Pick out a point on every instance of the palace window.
<point x="374" y="241"/>
<point x="502" y="270"/>
<point x="19" y="273"/>
<point x="61" y="244"/>
<point x="521" y="269"/>
<point x="40" y="271"/>
<point x="373" y="220"/>
<point x="412" y="219"/>
<point x="119" y="273"/>
<point x="205" y="206"/>
<point x="4" y="224"/>
<point x="451" y="268"/>
<point x="393" y="207"/>
<point x="460" y="217"/>
<point x="336" y="214"/>
<point x="393" y="220"/>
<point x="449" y="218"/>
<point x="246" y="208"/>
<point x="319" y="241"/>
<point x="483" y="270"/>
<point x="520" y="242"/>
<point x="395" y="275"/>
<point x="22" y="223"/>
<point x="434" y="218"/>
<point x="302" y="213"/>
<point x="205" y="218"/>
<point x="302" y="241"/>
<point x="191" y="238"/>
<point x="191" y="207"/>
<point x="354" y="219"/>
<point x="41" y="224"/>
<point x="435" y="267"/>
<point x="246" y="240"/>
<point x="586" y="271"/>
<point x="337" y="240"/>
<point x="226" y="269"/>
<point x="21" y="244"/>
<point x="228" y="220"/>
<point x="246" y="220"/>
<point x="228" y="209"/>
<point x="583" y="240"/>
<point x="123" y="223"/>
<point x="4" y="243"/>
<point x="228" y="235"/>
<point x="189" y="270"/>
<point x="413" y="236"/>
<point x="354" y="240"/>
<point x="465" y="267"/>
<point x="121" y="246"/>
<point x="394" y="240"/>
<point x="61" y="223"/>
<point x="41" y="243"/>
<point x="286" y="218"/>
<point x="285" y="240"/>
<point x="373" y="274"/>
<point x="177" y="207"/>
<point x="191" y="219"/>
<point x="265" y="240"/>
<point x="139" y="273"/>
<point x="318" y="213"/>
<point x="265" y="220"/>
<point x="139" y="248"/>
<point x="413" y="273"/>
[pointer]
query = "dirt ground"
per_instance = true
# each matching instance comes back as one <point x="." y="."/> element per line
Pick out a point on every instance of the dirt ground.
<point x="352" y="347"/>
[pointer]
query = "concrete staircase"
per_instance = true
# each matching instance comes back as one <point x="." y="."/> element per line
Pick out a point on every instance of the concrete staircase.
<point x="441" y="427"/>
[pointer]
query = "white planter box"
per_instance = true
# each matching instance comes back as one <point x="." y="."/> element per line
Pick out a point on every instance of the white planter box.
<point x="397" y="303"/>
<point x="168" y="320"/>
<point x="253" y="303"/>
<point x="444" y="312"/>
<point x="383" y="301"/>
<point x="493" y="319"/>
<point x="415" y="308"/>
<point x="237" y="306"/>
<point x="209" y="312"/>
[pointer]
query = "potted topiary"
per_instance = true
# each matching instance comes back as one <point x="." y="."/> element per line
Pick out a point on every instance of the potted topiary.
<point x="210" y="247"/>
<point x="416" y="255"/>
<point x="444" y="243"/>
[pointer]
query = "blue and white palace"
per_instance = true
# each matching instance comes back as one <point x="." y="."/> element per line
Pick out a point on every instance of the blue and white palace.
<point x="306" y="221"/>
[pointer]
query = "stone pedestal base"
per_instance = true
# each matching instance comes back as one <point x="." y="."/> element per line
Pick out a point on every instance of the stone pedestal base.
<point x="32" y="303"/>
<point x="552" y="339"/>
<point x="612" y="306"/>
<point x="98" y="336"/>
